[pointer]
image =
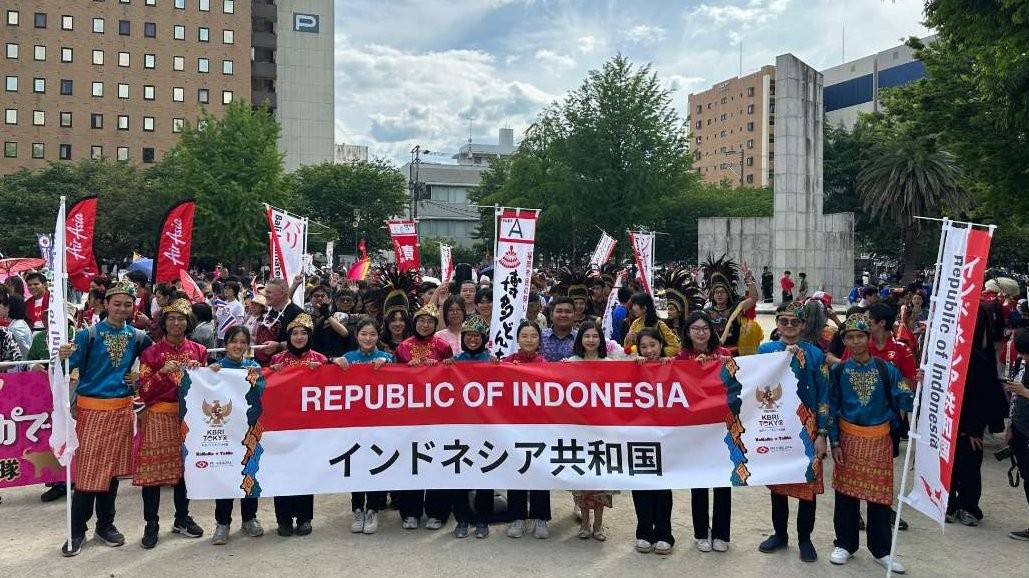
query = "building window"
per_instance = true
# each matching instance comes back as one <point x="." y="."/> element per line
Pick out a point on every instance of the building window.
<point x="723" y="133"/>
<point x="98" y="57"/>
<point x="67" y="23"/>
<point x="750" y="127"/>
<point x="204" y="34"/>
<point x="64" y="152"/>
<point x="66" y="87"/>
<point x="150" y="29"/>
<point x="150" y="2"/>
<point x="177" y="94"/>
<point x="723" y="117"/>
<point x="96" y="120"/>
<point x="227" y="67"/>
<point x="98" y="89"/>
<point x="39" y="20"/>
<point x="66" y="119"/>
<point x="180" y="4"/>
<point x="148" y="155"/>
<point x="203" y="65"/>
<point x="124" y="59"/>
<point x="205" y="5"/>
<point x="11" y="116"/>
<point x="39" y="85"/>
<point x="37" y="150"/>
<point x="12" y="50"/>
<point x="226" y="97"/>
<point x="12" y="17"/>
<point x="11" y="84"/>
<point x="178" y="63"/>
<point x="177" y="124"/>
<point x="228" y="6"/>
<point x="750" y="109"/>
<point x="38" y="118"/>
<point x="10" y="149"/>
<point x="750" y="143"/>
<point x="123" y="90"/>
<point x="179" y="32"/>
<point x="39" y="52"/>
<point x="724" y="100"/>
<point x="67" y="54"/>
<point x="123" y="122"/>
<point x="98" y="25"/>
<point x="203" y="96"/>
<point x="123" y="153"/>
<point x="124" y="28"/>
<point x="148" y="124"/>
<point x="149" y="61"/>
<point x="750" y="161"/>
<point x="700" y="108"/>
<point x="750" y="91"/>
<point x="149" y="92"/>
<point x="750" y="179"/>
<point x="228" y="36"/>
<point x="700" y="124"/>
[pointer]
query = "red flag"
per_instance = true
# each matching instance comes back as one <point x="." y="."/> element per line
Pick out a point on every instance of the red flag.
<point x="404" y="235"/>
<point x="175" y="243"/>
<point x="78" y="234"/>
<point x="190" y="287"/>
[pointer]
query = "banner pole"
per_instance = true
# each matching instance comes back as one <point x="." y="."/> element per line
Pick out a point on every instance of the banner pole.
<point x="67" y="467"/>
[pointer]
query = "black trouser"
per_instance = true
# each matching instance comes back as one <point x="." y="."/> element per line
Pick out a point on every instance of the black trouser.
<point x="411" y="503"/>
<point x="1020" y="446"/>
<point x="878" y="528"/>
<point x="223" y="510"/>
<point x="152" y="502"/>
<point x="463" y="508"/>
<point x="720" y="517"/>
<point x="781" y="517"/>
<point x="529" y="504"/>
<point x="787" y="296"/>
<point x="289" y="507"/>
<point x="653" y="515"/>
<point x="966" y="487"/>
<point x="368" y="500"/>
<point x="82" y="508"/>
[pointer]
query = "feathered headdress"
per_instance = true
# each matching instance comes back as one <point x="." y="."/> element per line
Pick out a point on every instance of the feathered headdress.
<point x="401" y="289"/>
<point x="574" y="282"/>
<point x="681" y="289"/>
<point x="722" y="272"/>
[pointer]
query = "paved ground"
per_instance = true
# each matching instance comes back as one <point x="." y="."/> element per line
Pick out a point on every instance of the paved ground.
<point x="31" y="534"/>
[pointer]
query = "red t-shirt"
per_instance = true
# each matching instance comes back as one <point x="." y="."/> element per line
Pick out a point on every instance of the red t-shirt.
<point x="895" y="352"/>
<point x="35" y="312"/>
<point x="786" y="283"/>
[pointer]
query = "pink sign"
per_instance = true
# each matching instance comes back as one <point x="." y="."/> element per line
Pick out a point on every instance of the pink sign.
<point x="25" y="406"/>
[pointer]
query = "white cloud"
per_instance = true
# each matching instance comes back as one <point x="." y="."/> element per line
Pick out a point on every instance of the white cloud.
<point x="554" y="60"/>
<point x="753" y="12"/>
<point x="646" y="35"/>
<point x="587" y="44"/>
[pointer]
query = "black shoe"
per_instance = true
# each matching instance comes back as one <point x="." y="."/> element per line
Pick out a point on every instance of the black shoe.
<point x="188" y="528"/>
<point x="808" y="552"/>
<point x="54" y="493"/>
<point x="893" y="520"/>
<point x="773" y="543"/>
<point x="285" y="530"/>
<point x="150" y="535"/>
<point x="110" y="535"/>
<point x="75" y="547"/>
<point x="304" y="528"/>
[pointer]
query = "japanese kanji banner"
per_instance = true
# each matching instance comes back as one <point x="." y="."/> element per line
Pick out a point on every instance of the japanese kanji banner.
<point x="288" y="244"/>
<point x="25" y="406"/>
<point x="605" y="248"/>
<point x="175" y="244"/>
<point x="78" y="232"/>
<point x="952" y="318"/>
<point x="512" y="271"/>
<point x="446" y="263"/>
<point x="404" y="235"/>
<point x="586" y="425"/>
<point x="643" y="249"/>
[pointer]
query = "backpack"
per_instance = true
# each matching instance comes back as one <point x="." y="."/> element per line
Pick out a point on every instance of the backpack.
<point x="898" y="427"/>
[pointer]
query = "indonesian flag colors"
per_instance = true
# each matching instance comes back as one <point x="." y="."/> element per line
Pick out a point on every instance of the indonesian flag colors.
<point x="175" y="243"/>
<point x="954" y="308"/>
<point x="404" y="235"/>
<point x="63" y="439"/>
<point x="512" y="271"/>
<point x="605" y="248"/>
<point x="288" y="245"/>
<point x="446" y="263"/>
<point x="78" y="233"/>
<point x="643" y="249"/>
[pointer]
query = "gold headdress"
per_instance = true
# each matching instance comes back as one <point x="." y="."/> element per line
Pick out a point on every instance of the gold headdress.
<point x="302" y="320"/>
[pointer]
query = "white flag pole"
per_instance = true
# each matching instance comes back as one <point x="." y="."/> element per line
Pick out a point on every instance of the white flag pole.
<point x="61" y="283"/>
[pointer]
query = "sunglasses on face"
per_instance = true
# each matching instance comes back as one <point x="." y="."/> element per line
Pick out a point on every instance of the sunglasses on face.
<point x="790" y="322"/>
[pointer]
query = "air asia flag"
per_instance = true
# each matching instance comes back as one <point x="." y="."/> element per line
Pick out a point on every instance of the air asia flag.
<point x="586" y="425"/>
<point x="512" y="271"/>
<point x="404" y="235"/>
<point x="175" y="243"/>
<point x="289" y="242"/>
<point x="643" y="249"/>
<point x="78" y="231"/>
<point x="605" y="248"/>
<point x="26" y="432"/>
<point x="952" y="319"/>
<point x="446" y="263"/>
<point x="63" y="439"/>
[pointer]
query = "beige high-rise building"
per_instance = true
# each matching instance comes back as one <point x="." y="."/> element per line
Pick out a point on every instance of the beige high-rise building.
<point x="732" y="129"/>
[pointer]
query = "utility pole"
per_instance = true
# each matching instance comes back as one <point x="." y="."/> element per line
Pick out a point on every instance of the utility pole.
<point x="414" y="184"/>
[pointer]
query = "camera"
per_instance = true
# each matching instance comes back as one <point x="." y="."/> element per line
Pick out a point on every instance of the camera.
<point x="1004" y="454"/>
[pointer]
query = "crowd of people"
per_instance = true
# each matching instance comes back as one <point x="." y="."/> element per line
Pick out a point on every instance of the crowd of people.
<point x="856" y="371"/>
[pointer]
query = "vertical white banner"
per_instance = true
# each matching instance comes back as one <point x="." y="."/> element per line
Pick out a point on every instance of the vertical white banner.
<point x="329" y="256"/>
<point x="643" y="249"/>
<point x="63" y="439"/>
<point x="512" y="272"/>
<point x="612" y="302"/>
<point x="446" y="263"/>
<point x="605" y="248"/>
<point x="289" y="241"/>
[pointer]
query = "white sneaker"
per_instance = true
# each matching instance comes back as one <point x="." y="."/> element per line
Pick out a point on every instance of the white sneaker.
<point x="898" y="568"/>
<point x="357" y="526"/>
<point x="253" y="528"/>
<point x="410" y="523"/>
<point x="663" y="548"/>
<point x="371" y="522"/>
<point x="704" y="545"/>
<point x="840" y="556"/>
<point x="515" y="529"/>
<point x="433" y="524"/>
<point x="644" y="547"/>
<point x="719" y="545"/>
<point x="541" y="531"/>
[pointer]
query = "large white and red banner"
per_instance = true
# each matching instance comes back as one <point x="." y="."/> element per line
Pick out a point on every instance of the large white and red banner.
<point x="446" y="263"/>
<point x="175" y="244"/>
<point x="63" y="439"/>
<point x="643" y="249"/>
<point x="403" y="233"/>
<point x="25" y="431"/>
<point x="605" y="248"/>
<point x="80" y="262"/>
<point x="954" y="308"/>
<point x="586" y="425"/>
<point x="288" y="244"/>
<point x="512" y="272"/>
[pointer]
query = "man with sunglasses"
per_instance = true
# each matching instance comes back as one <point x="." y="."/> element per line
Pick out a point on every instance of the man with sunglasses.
<point x="812" y="374"/>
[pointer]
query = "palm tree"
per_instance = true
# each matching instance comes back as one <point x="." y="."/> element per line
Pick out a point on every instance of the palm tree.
<point x="908" y="177"/>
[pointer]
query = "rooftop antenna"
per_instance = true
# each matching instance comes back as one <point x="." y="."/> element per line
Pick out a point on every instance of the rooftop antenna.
<point x="741" y="57"/>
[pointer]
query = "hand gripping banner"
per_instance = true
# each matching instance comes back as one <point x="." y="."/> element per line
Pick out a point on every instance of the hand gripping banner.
<point x="512" y="273"/>
<point x="587" y="425"/>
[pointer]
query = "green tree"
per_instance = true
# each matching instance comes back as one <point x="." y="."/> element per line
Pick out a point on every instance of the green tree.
<point x="334" y="194"/>
<point x="231" y="166"/>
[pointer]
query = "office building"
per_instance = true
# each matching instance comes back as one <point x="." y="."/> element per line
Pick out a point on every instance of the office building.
<point x="732" y="129"/>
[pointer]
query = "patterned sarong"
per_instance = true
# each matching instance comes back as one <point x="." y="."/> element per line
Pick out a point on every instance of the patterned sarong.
<point x="104" y="427"/>
<point x="867" y="469"/>
<point x="805" y="490"/>
<point x="159" y="462"/>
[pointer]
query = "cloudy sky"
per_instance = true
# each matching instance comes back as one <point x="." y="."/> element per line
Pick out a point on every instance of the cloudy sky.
<point x="429" y="71"/>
